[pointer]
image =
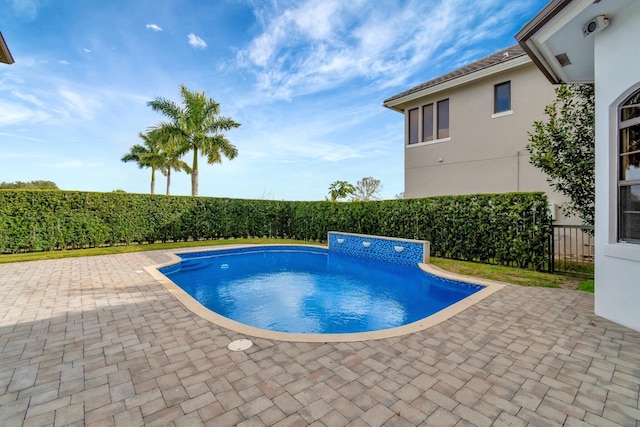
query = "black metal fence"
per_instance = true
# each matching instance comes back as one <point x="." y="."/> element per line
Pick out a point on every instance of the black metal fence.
<point x="573" y="249"/>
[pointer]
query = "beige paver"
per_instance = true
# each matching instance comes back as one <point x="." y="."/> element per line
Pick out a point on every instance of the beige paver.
<point x="98" y="341"/>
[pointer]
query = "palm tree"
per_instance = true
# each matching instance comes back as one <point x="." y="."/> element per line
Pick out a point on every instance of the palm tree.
<point x="148" y="155"/>
<point x="171" y="157"/>
<point x="196" y="125"/>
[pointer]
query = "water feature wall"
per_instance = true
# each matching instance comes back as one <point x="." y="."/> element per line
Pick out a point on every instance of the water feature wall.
<point x="390" y="249"/>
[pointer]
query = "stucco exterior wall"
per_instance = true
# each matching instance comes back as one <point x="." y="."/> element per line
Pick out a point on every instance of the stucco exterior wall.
<point x="484" y="154"/>
<point x="617" y="62"/>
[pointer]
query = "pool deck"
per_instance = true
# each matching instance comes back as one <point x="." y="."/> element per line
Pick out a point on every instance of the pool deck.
<point x="99" y="341"/>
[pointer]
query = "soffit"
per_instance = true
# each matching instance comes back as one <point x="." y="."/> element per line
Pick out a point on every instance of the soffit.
<point x="557" y="30"/>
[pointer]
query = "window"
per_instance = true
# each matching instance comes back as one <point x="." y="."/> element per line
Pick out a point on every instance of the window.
<point x="629" y="170"/>
<point x="432" y="125"/>
<point x="502" y="97"/>
<point x="413" y="126"/>
<point x="443" y="118"/>
<point x="427" y="123"/>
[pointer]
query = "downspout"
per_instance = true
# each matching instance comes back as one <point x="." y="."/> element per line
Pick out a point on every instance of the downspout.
<point x="518" y="170"/>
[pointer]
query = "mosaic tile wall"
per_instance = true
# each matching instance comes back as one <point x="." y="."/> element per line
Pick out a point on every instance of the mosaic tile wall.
<point x="376" y="247"/>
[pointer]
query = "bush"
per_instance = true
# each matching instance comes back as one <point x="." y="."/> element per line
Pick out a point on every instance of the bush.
<point x="508" y="229"/>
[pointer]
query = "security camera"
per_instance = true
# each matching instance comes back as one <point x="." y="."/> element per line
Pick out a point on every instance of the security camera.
<point x="596" y="24"/>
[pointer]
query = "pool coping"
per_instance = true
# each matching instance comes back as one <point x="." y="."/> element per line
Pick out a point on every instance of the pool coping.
<point x="198" y="309"/>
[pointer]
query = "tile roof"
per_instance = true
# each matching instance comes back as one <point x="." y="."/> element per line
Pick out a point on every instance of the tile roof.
<point x="496" y="58"/>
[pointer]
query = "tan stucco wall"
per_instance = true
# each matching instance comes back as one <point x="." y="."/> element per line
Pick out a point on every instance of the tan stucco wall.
<point x="484" y="154"/>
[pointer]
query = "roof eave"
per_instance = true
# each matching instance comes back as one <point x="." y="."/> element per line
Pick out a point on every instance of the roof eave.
<point x="459" y="81"/>
<point x="533" y="52"/>
<point x="526" y="38"/>
<point x="523" y="37"/>
<point x="391" y="107"/>
<point x="5" y="54"/>
<point x="541" y="19"/>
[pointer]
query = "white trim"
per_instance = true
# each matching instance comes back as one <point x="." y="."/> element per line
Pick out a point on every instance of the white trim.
<point x="423" y="143"/>
<point x="563" y="18"/>
<point x="628" y="251"/>
<point x="539" y="45"/>
<point x="468" y="78"/>
<point x="502" y="114"/>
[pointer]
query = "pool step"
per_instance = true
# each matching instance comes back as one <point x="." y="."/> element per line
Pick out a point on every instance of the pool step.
<point x="189" y="265"/>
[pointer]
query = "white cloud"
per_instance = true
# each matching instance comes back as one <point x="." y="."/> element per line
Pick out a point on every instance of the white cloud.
<point x="63" y="62"/>
<point x="28" y="97"/>
<point x="85" y="50"/>
<point x="13" y="113"/>
<point x="78" y="104"/>
<point x="324" y="151"/>
<point x="14" y="136"/>
<point x="153" y="27"/>
<point x="196" y="41"/>
<point x="26" y="9"/>
<point x="317" y="46"/>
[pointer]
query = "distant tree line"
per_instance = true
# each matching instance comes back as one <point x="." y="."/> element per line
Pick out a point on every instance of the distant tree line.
<point x="31" y="185"/>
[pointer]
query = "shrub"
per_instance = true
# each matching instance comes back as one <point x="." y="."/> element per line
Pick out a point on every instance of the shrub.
<point x="508" y="229"/>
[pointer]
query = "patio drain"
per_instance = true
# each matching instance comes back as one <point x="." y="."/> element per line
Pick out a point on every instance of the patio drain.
<point x="240" y="345"/>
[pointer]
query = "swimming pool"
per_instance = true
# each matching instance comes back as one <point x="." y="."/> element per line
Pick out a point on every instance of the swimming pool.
<point x="310" y="290"/>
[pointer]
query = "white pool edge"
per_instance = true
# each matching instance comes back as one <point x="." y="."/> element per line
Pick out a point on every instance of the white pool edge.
<point x="195" y="307"/>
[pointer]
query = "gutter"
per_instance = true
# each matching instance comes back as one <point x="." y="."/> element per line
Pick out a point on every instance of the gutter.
<point x="391" y="107"/>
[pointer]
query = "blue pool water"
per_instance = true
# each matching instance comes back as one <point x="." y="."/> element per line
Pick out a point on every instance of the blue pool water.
<point x="312" y="290"/>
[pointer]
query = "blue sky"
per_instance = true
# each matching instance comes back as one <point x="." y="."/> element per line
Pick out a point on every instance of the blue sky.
<point x="306" y="79"/>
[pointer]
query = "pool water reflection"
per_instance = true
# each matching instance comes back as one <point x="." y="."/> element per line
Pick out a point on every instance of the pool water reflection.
<point x="312" y="290"/>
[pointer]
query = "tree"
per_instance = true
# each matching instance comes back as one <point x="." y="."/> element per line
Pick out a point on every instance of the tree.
<point x="367" y="188"/>
<point x="563" y="148"/>
<point x="147" y="155"/>
<point x="196" y="126"/>
<point x="340" y="190"/>
<point x="31" y="185"/>
<point x="171" y="157"/>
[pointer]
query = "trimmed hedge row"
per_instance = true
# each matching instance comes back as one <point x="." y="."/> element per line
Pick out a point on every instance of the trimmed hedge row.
<point x="510" y="229"/>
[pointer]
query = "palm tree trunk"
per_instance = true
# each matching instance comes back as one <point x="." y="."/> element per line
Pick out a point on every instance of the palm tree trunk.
<point x="153" y="180"/>
<point x="168" y="180"/>
<point x="194" y="173"/>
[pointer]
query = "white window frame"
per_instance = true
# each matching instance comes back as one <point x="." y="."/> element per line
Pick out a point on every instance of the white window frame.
<point x="634" y="99"/>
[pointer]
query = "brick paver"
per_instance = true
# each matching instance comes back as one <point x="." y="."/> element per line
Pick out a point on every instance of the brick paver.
<point x="97" y="341"/>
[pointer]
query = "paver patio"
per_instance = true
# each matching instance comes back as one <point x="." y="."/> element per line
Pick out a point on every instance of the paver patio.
<point x="97" y="341"/>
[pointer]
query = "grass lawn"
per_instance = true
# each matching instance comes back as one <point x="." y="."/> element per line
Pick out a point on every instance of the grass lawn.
<point x="517" y="276"/>
<point x="586" y="286"/>
<point x="513" y="275"/>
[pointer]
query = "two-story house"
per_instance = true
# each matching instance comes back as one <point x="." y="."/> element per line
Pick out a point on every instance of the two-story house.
<point x="466" y="131"/>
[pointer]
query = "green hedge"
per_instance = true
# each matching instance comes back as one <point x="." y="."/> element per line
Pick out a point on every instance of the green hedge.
<point x="510" y="229"/>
